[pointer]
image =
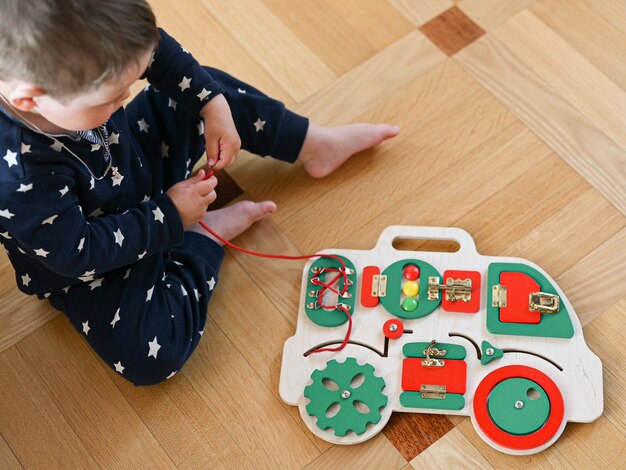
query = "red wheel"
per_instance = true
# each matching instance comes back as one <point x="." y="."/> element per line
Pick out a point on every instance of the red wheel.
<point x="499" y="404"/>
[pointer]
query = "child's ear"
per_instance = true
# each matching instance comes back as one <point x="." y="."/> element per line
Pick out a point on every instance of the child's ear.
<point x="23" y="96"/>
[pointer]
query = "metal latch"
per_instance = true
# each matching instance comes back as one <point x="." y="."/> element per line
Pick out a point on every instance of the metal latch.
<point x="456" y="289"/>
<point x="433" y="391"/>
<point x="498" y="296"/>
<point x="379" y="285"/>
<point x="430" y="351"/>
<point x="543" y="302"/>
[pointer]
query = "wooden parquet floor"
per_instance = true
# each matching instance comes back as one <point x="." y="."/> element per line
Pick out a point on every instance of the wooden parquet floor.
<point x="513" y="128"/>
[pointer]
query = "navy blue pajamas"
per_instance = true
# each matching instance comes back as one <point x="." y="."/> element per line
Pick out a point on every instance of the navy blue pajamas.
<point x="107" y="247"/>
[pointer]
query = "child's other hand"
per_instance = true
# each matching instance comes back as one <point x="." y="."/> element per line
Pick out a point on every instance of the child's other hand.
<point x="192" y="197"/>
<point x="220" y="134"/>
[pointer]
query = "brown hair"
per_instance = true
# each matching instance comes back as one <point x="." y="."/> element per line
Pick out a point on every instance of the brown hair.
<point x="71" y="46"/>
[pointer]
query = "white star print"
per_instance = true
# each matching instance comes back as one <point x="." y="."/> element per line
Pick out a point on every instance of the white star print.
<point x="119" y="237"/>
<point x="141" y="255"/>
<point x="81" y="243"/>
<point x="154" y="347"/>
<point x="117" y="177"/>
<point x="49" y="220"/>
<point x="119" y="367"/>
<point x="171" y="375"/>
<point x="182" y="288"/>
<point x="143" y="125"/>
<point x="211" y="283"/>
<point x="203" y="94"/>
<point x="26" y="280"/>
<point x="66" y="289"/>
<point x="25" y="188"/>
<point x="64" y="191"/>
<point x="41" y="252"/>
<point x="243" y="92"/>
<point x="164" y="150"/>
<point x="6" y="235"/>
<point x="96" y="283"/>
<point x="126" y="274"/>
<point x="86" y="328"/>
<point x="201" y="332"/>
<point x="149" y="294"/>
<point x="6" y="213"/>
<point x="116" y="318"/>
<point x="24" y="148"/>
<point x="95" y="147"/>
<point x="195" y="291"/>
<point x="201" y="128"/>
<point x="88" y="276"/>
<point x="184" y="50"/>
<point x="92" y="183"/>
<point x="114" y="138"/>
<point x="185" y="83"/>
<point x="172" y="104"/>
<point x="158" y="215"/>
<point x="56" y="146"/>
<point x="259" y="125"/>
<point x="11" y="158"/>
<point x="146" y="198"/>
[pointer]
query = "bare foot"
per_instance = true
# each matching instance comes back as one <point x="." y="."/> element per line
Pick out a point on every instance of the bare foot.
<point x="231" y="221"/>
<point x="326" y="148"/>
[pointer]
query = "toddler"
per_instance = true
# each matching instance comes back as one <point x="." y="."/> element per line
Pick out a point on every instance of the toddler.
<point x="98" y="211"/>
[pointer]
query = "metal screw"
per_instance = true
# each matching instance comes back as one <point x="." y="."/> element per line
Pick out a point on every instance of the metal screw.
<point x="345" y="394"/>
<point x="489" y="351"/>
<point x="519" y="404"/>
<point x="393" y="327"/>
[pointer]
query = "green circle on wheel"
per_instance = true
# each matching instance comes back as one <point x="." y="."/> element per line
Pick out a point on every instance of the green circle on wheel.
<point x="518" y="406"/>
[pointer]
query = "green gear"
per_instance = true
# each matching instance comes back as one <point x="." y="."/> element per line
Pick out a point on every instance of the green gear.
<point x="348" y="418"/>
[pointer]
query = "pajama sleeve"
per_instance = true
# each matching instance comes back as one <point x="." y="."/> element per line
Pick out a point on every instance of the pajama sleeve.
<point x="174" y="71"/>
<point x="43" y="214"/>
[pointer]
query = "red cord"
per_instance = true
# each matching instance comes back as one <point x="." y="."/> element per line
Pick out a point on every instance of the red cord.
<point x="340" y="274"/>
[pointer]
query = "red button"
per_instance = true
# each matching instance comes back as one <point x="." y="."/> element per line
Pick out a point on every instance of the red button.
<point x="393" y="329"/>
<point x="411" y="272"/>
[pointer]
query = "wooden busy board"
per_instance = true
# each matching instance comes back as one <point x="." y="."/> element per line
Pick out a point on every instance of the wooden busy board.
<point x="459" y="333"/>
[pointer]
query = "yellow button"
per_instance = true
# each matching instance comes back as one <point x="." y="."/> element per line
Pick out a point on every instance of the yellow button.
<point x="411" y="288"/>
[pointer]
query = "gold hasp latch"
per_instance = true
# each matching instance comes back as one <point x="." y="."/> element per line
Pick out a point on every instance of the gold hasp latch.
<point x="379" y="285"/>
<point x="433" y="391"/>
<point x="543" y="302"/>
<point x="498" y="296"/>
<point x="431" y="353"/>
<point x="456" y="289"/>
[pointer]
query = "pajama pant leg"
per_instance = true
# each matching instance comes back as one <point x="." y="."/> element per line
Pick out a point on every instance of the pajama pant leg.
<point x="146" y="319"/>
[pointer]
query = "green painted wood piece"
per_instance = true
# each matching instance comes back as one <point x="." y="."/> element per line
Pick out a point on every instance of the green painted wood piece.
<point x="330" y="318"/>
<point x="486" y="347"/>
<point x="346" y="397"/>
<point x="555" y="325"/>
<point x="393" y="300"/>
<point x="452" y="401"/>
<point x="518" y="406"/>
<point x="453" y="351"/>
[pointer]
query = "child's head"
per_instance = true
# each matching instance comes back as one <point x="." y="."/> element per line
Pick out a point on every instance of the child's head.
<point x="74" y="59"/>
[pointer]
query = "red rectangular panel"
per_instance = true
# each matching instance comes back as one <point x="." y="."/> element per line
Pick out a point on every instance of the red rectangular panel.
<point x="473" y="305"/>
<point x="452" y="375"/>
<point x="367" y="299"/>
<point x="519" y="286"/>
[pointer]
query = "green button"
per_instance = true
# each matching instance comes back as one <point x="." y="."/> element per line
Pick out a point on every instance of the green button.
<point x="409" y="304"/>
<point x="518" y="406"/>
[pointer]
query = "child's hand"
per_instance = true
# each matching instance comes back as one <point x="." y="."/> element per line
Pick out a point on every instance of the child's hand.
<point x="192" y="197"/>
<point x="221" y="137"/>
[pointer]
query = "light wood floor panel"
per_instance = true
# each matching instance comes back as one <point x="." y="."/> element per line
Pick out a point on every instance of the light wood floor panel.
<point x="73" y="376"/>
<point x="607" y="261"/>
<point x="213" y="44"/>
<point x="453" y="450"/>
<point x="590" y="91"/>
<point x="375" y="454"/>
<point x="612" y="10"/>
<point x="573" y="137"/>
<point x="21" y="315"/>
<point x="8" y="460"/>
<point x="585" y="29"/>
<point x="294" y="66"/>
<point x="421" y="12"/>
<point x="489" y="14"/>
<point x="606" y="335"/>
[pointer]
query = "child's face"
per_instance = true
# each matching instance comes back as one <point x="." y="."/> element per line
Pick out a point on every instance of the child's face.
<point x="91" y="109"/>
